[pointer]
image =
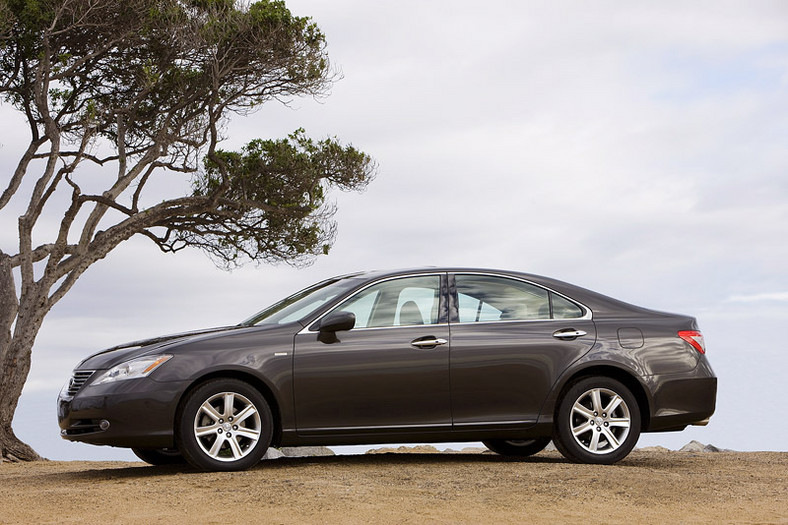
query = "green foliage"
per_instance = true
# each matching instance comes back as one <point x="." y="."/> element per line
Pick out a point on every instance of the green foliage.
<point x="153" y="57"/>
<point x="156" y="80"/>
<point x="282" y="184"/>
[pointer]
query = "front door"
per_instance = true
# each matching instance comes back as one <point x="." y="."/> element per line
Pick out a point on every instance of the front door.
<point x="391" y="371"/>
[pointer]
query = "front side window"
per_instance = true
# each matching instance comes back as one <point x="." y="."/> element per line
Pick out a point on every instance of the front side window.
<point x="484" y="298"/>
<point x="398" y="302"/>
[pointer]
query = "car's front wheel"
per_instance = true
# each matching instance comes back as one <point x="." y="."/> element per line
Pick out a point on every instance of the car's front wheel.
<point x="598" y="421"/>
<point x="224" y="424"/>
<point x="517" y="447"/>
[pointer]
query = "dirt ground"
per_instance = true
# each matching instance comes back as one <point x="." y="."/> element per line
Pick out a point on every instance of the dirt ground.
<point x="647" y="487"/>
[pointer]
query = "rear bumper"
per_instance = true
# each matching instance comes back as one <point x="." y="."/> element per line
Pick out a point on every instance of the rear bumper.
<point x="134" y="413"/>
<point x="683" y="402"/>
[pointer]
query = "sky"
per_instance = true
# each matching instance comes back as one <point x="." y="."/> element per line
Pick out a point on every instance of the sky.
<point x="637" y="149"/>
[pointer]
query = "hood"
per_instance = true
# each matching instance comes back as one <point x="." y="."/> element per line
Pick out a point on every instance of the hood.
<point x="118" y="354"/>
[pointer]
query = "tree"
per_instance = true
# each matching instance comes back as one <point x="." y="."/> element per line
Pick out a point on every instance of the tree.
<point x="120" y="92"/>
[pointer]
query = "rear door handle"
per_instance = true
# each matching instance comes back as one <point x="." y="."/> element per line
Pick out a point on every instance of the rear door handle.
<point x="428" y="342"/>
<point x="569" y="334"/>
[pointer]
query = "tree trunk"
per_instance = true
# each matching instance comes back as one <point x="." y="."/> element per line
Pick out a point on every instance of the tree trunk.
<point x="15" y="352"/>
<point x="13" y="449"/>
<point x="13" y="374"/>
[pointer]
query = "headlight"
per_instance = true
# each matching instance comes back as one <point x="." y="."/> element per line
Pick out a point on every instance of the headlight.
<point x="140" y="367"/>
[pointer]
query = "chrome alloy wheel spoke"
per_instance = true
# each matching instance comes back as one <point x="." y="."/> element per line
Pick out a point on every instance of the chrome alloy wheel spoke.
<point x="619" y="422"/>
<point x="580" y="429"/>
<point x="235" y="448"/>
<point x="206" y="431"/>
<point x="216" y="447"/>
<point x="596" y="400"/>
<point x="229" y="401"/>
<point x="583" y="411"/>
<point x="593" y="446"/>
<point x="210" y="411"/>
<point x="611" y="438"/>
<point x="248" y="433"/>
<point x="249" y="410"/>
<point x="615" y="401"/>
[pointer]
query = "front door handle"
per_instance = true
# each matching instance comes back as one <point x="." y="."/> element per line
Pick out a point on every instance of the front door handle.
<point x="428" y="342"/>
<point x="569" y="334"/>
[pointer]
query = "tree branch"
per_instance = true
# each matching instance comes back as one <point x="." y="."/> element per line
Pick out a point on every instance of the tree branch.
<point x="20" y="171"/>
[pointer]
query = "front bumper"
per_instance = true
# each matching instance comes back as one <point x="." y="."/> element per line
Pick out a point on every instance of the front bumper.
<point x="131" y="413"/>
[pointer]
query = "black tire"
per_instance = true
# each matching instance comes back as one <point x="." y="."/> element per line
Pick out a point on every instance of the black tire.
<point x="517" y="447"/>
<point x="224" y="425"/>
<point x="585" y="432"/>
<point x="159" y="456"/>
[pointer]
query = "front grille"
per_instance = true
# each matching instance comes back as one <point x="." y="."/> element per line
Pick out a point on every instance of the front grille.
<point x="78" y="380"/>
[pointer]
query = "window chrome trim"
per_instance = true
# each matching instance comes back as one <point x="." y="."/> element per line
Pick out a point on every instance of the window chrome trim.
<point x="367" y="328"/>
<point x="587" y="315"/>
<point x="306" y="329"/>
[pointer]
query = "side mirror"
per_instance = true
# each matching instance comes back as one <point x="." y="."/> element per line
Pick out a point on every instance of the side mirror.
<point x="333" y="323"/>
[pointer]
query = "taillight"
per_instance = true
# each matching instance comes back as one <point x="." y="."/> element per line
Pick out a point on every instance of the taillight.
<point x="695" y="339"/>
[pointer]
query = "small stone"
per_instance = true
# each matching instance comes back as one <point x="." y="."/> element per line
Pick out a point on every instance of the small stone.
<point x="303" y="452"/>
<point x="273" y="453"/>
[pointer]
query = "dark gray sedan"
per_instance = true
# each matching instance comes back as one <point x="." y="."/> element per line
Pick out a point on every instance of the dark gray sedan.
<point x="425" y="355"/>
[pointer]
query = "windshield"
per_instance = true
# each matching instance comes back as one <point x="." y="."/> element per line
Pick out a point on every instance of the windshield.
<point x="303" y="303"/>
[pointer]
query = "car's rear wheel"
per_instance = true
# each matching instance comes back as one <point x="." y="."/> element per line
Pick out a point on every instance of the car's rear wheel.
<point x="159" y="456"/>
<point x="517" y="447"/>
<point x="598" y="421"/>
<point x="224" y="424"/>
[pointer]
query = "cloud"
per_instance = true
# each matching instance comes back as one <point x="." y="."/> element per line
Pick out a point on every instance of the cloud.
<point x="759" y="297"/>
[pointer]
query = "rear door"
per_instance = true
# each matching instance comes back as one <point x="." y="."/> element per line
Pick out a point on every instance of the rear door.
<point x="510" y="340"/>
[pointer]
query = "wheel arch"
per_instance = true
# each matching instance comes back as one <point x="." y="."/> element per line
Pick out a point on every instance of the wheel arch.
<point x="261" y="386"/>
<point x="621" y="375"/>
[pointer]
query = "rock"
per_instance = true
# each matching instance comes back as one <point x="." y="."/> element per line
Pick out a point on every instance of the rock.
<point x="473" y="450"/>
<point x="693" y="446"/>
<point x="550" y="447"/>
<point x="382" y="450"/>
<point x="273" y="453"/>
<point x="418" y="449"/>
<point x="302" y="452"/>
<point x="654" y="449"/>
<point x="712" y="448"/>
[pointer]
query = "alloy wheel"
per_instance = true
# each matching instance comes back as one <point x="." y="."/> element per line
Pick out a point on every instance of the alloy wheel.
<point x="227" y="426"/>
<point x="600" y="420"/>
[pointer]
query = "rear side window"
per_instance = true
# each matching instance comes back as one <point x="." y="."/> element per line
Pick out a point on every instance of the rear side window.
<point x="484" y="298"/>
<point x="564" y="309"/>
<point x="487" y="298"/>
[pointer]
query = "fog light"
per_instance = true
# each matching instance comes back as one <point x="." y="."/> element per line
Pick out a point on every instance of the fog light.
<point x="103" y="424"/>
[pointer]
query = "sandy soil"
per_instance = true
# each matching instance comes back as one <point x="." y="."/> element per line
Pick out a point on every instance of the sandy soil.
<point x="647" y="487"/>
